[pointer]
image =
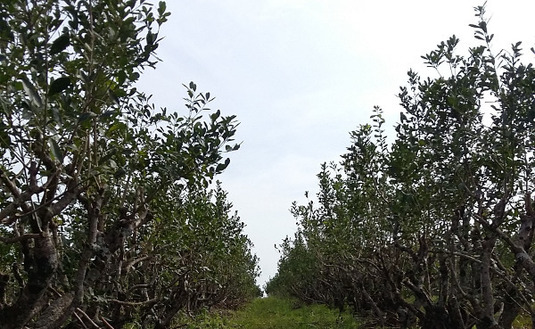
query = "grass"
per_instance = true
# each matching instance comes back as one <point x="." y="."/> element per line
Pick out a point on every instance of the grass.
<point x="523" y="321"/>
<point x="274" y="313"/>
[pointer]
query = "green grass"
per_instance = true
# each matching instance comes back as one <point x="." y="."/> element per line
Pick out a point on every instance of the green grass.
<point x="274" y="313"/>
<point x="523" y="321"/>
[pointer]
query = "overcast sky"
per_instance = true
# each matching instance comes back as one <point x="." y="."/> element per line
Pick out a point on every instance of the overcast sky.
<point x="300" y="75"/>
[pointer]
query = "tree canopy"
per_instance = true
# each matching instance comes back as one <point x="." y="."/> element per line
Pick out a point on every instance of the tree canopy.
<point x="436" y="228"/>
<point x="109" y="211"/>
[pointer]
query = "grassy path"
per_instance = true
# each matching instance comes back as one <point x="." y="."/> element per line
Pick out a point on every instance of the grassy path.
<point x="275" y="313"/>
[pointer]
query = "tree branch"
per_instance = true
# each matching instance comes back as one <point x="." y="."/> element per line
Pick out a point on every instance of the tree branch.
<point x="20" y="238"/>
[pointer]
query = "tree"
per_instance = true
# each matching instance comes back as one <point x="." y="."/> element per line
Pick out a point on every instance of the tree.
<point x="441" y="219"/>
<point x="90" y="170"/>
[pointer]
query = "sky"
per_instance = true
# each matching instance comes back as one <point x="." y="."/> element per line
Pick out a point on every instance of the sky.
<point x="300" y="75"/>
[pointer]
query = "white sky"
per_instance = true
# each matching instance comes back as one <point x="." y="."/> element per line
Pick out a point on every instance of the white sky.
<point x="300" y="75"/>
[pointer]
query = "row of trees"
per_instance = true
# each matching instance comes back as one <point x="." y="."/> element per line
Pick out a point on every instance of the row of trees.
<point x="109" y="216"/>
<point x="435" y="229"/>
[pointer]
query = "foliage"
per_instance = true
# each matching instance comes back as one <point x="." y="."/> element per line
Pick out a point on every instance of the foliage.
<point x="434" y="230"/>
<point x="106" y="210"/>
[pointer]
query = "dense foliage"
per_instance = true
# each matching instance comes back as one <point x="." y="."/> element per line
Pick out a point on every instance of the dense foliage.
<point x="435" y="229"/>
<point x="109" y="216"/>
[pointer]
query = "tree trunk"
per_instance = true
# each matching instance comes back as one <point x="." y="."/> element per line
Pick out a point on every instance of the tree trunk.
<point x="40" y="263"/>
<point x="438" y="318"/>
<point x="510" y="310"/>
<point x="487" y="319"/>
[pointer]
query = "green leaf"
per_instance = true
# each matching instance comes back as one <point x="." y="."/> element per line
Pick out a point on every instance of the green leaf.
<point x="60" y="44"/>
<point x="215" y="115"/>
<point x="222" y="166"/>
<point x="483" y="26"/>
<point x="55" y="150"/>
<point x="85" y="119"/>
<point x="86" y="116"/>
<point x="119" y="173"/>
<point x="5" y="139"/>
<point x="151" y="37"/>
<point x="59" y="85"/>
<point x="161" y="8"/>
<point x="31" y="91"/>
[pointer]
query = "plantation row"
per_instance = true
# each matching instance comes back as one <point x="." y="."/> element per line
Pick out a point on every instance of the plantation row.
<point x="434" y="230"/>
<point x="110" y="216"/>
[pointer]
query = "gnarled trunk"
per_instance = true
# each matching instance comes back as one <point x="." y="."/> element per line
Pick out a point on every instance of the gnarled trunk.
<point x="40" y="262"/>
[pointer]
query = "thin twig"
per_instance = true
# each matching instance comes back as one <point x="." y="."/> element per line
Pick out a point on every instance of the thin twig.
<point x="80" y="320"/>
<point x="87" y="317"/>
<point x="109" y="326"/>
<point x="122" y="302"/>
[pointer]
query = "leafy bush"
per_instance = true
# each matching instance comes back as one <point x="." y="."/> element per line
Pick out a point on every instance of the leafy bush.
<point x="109" y="212"/>
<point x="435" y="229"/>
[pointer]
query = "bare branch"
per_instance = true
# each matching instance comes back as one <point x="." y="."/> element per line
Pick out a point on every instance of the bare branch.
<point x="80" y="320"/>
<point x="87" y="317"/>
<point x="122" y="302"/>
<point x="19" y="238"/>
<point x="108" y="325"/>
